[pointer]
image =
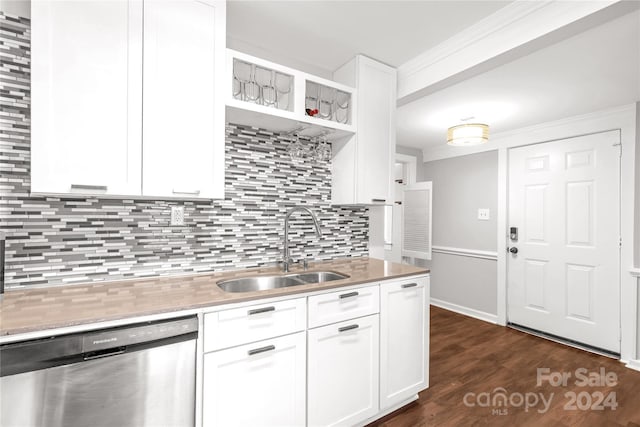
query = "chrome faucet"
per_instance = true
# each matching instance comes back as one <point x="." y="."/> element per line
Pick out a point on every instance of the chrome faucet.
<point x="287" y="258"/>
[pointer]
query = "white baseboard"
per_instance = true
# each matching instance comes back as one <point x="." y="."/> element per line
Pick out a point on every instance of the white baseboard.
<point x="476" y="314"/>
<point x="633" y="364"/>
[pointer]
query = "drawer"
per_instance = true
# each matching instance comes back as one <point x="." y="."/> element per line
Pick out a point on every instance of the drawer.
<point x="343" y="305"/>
<point x="228" y="328"/>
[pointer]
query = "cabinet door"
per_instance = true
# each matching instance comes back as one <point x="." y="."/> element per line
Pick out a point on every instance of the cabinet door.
<point x="260" y="384"/>
<point x="376" y="131"/>
<point x="183" y="116"/>
<point x="404" y="339"/>
<point x="343" y="372"/>
<point x="86" y="97"/>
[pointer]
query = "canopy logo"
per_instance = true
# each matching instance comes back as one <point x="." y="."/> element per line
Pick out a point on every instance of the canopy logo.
<point x="500" y="400"/>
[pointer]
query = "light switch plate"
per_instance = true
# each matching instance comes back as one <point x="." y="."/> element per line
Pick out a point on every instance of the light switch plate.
<point x="177" y="215"/>
<point x="484" y="214"/>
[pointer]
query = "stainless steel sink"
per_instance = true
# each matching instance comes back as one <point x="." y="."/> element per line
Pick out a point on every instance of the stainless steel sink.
<point x="261" y="283"/>
<point x="320" y="276"/>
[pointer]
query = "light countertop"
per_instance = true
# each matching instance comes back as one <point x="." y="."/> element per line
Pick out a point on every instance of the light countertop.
<point x="31" y="310"/>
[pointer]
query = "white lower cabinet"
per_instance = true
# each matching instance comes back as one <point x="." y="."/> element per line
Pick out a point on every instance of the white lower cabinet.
<point x="339" y="358"/>
<point x="342" y="378"/>
<point x="258" y="384"/>
<point x="404" y="339"/>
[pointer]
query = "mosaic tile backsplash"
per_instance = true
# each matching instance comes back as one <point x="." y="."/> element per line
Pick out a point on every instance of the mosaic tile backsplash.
<point x="52" y="241"/>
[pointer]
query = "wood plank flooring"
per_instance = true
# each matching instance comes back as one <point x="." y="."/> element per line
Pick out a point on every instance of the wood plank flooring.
<point x="472" y="358"/>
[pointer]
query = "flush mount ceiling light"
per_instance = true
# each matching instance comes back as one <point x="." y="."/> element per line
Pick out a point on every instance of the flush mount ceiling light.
<point x="468" y="134"/>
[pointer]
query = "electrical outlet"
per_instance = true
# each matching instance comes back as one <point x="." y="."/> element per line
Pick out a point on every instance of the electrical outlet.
<point x="177" y="215"/>
<point x="484" y="214"/>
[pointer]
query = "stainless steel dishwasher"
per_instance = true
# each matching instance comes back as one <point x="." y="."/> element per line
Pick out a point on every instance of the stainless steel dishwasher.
<point x="138" y="375"/>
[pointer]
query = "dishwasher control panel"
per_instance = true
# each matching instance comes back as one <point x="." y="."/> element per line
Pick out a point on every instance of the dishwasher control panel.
<point x="136" y="334"/>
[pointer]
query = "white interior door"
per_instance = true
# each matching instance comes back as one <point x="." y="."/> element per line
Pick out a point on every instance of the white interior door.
<point x="564" y="200"/>
<point x="416" y="220"/>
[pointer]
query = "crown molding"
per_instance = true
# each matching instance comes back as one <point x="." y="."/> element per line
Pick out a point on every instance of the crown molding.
<point x="508" y="28"/>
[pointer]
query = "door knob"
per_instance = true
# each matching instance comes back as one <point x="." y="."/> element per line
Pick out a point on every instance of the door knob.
<point x="513" y="250"/>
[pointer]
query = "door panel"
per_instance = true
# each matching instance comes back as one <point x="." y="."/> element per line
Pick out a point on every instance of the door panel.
<point x="342" y="372"/>
<point x="535" y="213"/>
<point x="87" y="89"/>
<point x="269" y="374"/>
<point x="535" y="281"/>
<point x="404" y="340"/>
<point x="180" y="100"/>
<point x="564" y="198"/>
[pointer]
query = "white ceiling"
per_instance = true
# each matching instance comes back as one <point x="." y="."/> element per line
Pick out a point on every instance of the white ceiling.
<point x="594" y="70"/>
<point x="327" y="34"/>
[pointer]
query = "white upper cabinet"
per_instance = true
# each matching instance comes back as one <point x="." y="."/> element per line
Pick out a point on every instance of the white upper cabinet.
<point x="86" y="97"/>
<point x="363" y="164"/>
<point x="183" y="117"/>
<point x="92" y="61"/>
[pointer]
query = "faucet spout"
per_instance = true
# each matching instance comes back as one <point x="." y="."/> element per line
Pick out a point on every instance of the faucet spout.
<point x="287" y="257"/>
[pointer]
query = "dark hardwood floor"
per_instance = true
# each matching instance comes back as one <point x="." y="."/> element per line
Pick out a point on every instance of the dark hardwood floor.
<point x="473" y="358"/>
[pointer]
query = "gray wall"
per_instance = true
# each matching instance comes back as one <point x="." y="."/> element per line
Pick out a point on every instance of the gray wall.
<point x="461" y="185"/>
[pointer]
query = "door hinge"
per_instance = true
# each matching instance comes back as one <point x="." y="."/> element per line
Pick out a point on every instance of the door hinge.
<point x="620" y="241"/>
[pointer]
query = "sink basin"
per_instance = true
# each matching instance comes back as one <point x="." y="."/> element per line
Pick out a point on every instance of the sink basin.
<point x="261" y="283"/>
<point x="320" y="276"/>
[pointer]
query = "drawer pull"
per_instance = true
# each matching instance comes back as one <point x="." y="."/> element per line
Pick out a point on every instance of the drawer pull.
<point x="409" y="285"/>
<point x="261" y="310"/>
<point x="189" y="192"/>
<point x="349" y="294"/>
<point x="378" y="200"/>
<point x="88" y="187"/>
<point x="261" y="350"/>
<point x="348" y="328"/>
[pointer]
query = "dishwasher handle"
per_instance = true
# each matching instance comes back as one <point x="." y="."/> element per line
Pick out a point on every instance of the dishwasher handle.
<point x="104" y="353"/>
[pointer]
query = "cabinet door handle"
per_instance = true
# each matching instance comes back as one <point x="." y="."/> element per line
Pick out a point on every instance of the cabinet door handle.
<point x="261" y="350"/>
<point x="191" y="192"/>
<point x="409" y="285"/>
<point x="378" y="200"/>
<point x="88" y="187"/>
<point x="348" y="328"/>
<point x="261" y="310"/>
<point x="349" y="294"/>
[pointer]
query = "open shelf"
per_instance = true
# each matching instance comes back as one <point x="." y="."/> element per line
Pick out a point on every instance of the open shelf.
<point x="252" y="103"/>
